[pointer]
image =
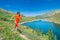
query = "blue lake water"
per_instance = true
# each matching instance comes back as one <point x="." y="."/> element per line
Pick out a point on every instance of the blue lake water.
<point x="44" y="26"/>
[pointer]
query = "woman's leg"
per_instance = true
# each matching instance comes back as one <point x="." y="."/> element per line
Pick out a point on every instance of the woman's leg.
<point x="16" y="25"/>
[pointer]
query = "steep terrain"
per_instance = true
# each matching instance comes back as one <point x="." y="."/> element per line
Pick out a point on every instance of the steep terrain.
<point x="7" y="25"/>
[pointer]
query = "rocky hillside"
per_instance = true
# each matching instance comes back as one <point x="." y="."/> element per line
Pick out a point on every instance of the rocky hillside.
<point x="53" y="15"/>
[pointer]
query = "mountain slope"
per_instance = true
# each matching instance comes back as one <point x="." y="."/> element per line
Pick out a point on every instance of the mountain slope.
<point x="6" y="26"/>
<point x="53" y="16"/>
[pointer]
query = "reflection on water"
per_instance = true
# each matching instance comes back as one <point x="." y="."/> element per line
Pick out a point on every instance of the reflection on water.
<point x="57" y="25"/>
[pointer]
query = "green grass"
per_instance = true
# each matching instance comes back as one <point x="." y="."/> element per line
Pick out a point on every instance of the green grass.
<point x="6" y="32"/>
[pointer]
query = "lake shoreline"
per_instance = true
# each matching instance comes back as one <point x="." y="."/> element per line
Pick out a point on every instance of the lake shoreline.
<point x="28" y="21"/>
<point x="41" y="20"/>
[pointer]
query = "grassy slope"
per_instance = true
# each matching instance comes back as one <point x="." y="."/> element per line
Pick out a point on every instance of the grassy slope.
<point x="6" y="32"/>
<point x="6" y="26"/>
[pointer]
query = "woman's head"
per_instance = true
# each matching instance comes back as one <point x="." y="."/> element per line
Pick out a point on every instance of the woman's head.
<point x="18" y="13"/>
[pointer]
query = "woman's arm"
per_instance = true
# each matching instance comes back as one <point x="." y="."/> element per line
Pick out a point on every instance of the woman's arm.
<point x="12" y="17"/>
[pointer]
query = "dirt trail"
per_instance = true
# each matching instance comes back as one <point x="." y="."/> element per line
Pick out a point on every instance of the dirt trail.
<point x="24" y="36"/>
